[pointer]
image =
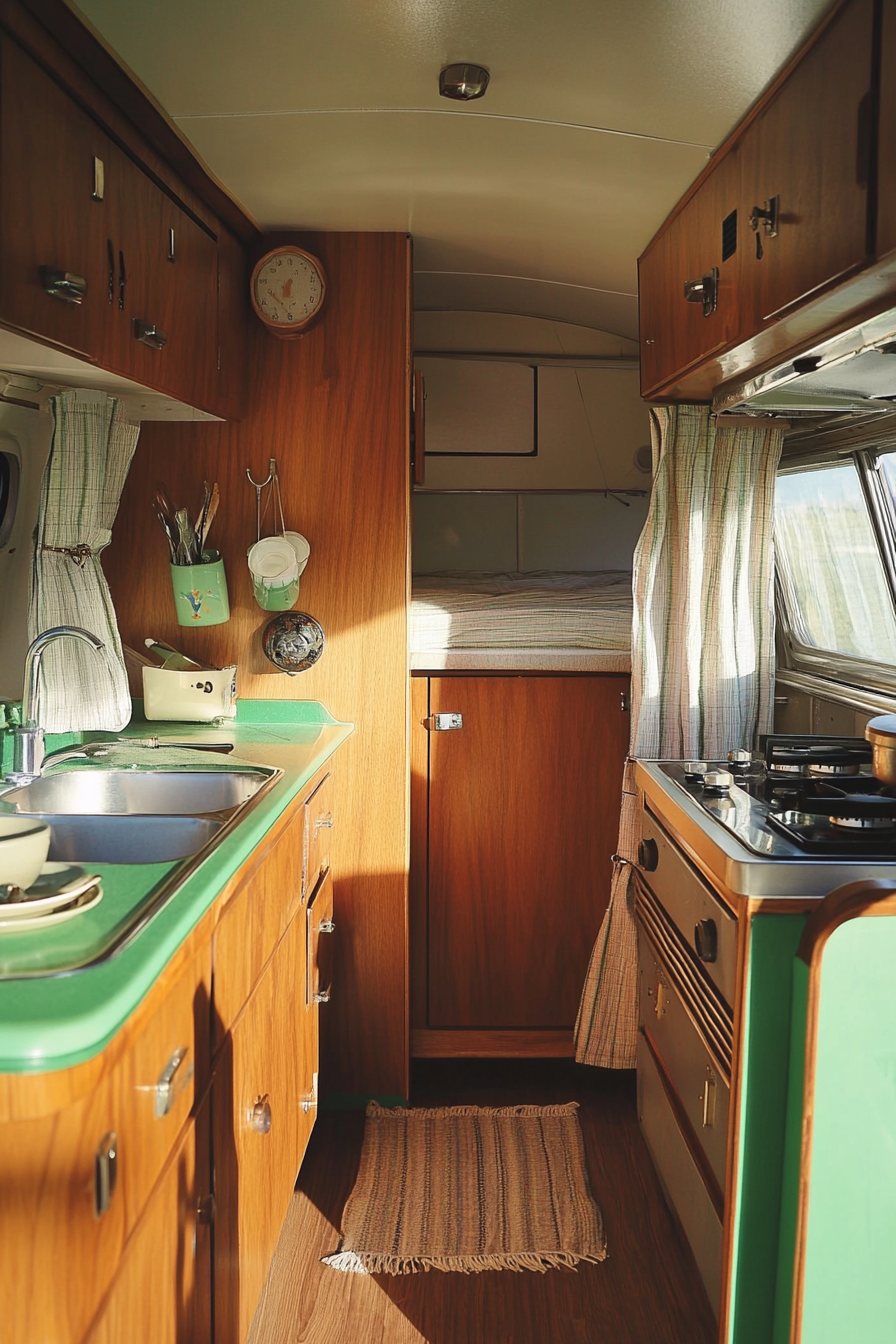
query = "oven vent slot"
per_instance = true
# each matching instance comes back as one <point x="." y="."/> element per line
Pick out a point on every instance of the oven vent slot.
<point x="710" y="1014"/>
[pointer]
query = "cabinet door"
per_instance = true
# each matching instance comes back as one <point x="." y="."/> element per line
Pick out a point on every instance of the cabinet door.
<point x="703" y="240"/>
<point x="523" y="820"/>
<point x="261" y="1080"/>
<point x="811" y="148"/>
<point x="50" y="220"/>
<point x="164" y="332"/>
<point x="164" y="1279"/>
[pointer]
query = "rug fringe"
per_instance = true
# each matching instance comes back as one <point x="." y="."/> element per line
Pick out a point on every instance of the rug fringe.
<point x="374" y="1109"/>
<point x="350" y="1262"/>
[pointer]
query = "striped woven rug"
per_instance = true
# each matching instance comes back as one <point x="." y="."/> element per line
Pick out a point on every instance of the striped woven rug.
<point x="466" y="1188"/>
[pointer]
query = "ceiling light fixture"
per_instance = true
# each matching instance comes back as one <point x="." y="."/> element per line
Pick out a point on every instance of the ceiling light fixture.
<point x="463" y="82"/>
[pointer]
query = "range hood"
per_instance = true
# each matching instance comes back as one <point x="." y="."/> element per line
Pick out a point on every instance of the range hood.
<point x="855" y="371"/>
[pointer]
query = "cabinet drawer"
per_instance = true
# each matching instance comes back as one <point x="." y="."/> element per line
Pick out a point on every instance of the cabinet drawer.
<point x="253" y="923"/>
<point x="682" y="1181"/>
<point x="320" y="926"/>
<point x="702" y="1090"/>
<point x="115" y="1141"/>
<point x="318" y="830"/>
<point x="260" y="1128"/>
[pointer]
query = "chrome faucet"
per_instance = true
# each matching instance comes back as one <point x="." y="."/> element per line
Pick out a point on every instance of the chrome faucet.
<point x="28" y="738"/>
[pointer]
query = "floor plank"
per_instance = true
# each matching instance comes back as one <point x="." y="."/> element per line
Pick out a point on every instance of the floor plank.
<point x="646" y="1292"/>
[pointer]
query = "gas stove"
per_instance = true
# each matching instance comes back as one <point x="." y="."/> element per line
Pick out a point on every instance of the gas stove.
<point x="802" y="816"/>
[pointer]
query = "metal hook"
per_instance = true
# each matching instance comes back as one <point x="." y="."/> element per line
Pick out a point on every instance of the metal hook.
<point x="272" y="472"/>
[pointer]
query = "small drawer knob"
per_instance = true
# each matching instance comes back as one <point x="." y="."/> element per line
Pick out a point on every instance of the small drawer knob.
<point x="706" y="939"/>
<point x="260" y="1116"/>
<point x="648" y="855"/>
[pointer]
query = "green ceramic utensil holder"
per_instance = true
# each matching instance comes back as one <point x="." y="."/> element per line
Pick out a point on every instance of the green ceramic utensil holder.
<point x="200" y="591"/>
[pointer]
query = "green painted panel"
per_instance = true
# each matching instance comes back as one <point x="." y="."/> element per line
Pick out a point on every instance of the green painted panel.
<point x="793" y="1139"/>
<point x="850" y="1279"/>
<point x="766" y="1051"/>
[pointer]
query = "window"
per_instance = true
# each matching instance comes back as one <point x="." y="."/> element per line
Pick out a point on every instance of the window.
<point x="835" y="526"/>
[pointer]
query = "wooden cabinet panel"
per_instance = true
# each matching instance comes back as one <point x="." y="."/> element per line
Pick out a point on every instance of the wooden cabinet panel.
<point x="254" y="922"/>
<point x="812" y="149"/>
<point x="674" y="332"/>
<point x="164" y="1278"/>
<point x="260" y="1131"/>
<point x="318" y="833"/>
<point x="59" y="1254"/>
<point x="47" y="152"/>
<point x="523" y="819"/>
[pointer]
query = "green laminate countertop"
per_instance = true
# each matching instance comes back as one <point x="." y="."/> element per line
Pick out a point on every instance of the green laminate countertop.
<point x="59" y="1020"/>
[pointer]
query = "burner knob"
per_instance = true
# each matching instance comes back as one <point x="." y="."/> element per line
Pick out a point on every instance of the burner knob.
<point x="648" y="855"/>
<point x="695" y="769"/>
<point x="740" y="757"/>
<point x="706" y="939"/>
<point x="718" y="781"/>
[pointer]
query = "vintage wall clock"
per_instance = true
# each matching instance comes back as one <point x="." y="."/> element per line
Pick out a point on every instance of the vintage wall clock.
<point x="288" y="288"/>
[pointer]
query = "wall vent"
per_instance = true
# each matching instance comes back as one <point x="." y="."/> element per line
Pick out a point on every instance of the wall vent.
<point x="729" y="235"/>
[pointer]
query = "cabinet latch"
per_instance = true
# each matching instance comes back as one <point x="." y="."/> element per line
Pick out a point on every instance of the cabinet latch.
<point x="443" y="723"/>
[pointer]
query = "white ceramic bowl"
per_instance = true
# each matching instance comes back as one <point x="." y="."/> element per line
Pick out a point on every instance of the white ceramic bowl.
<point x="24" y="845"/>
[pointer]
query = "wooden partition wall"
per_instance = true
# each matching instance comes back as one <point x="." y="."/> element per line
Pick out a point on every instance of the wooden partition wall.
<point x="332" y="407"/>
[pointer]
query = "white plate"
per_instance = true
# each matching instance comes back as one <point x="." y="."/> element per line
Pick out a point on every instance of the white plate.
<point x="86" y="901"/>
<point x="63" y="883"/>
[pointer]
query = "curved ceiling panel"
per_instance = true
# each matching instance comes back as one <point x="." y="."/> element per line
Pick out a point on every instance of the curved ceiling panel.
<point x="677" y="69"/>
<point x="615" y="313"/>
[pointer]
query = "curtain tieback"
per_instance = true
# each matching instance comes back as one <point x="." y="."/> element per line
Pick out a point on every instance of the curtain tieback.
<point x="619" y="858"/>
<point x="80" y="553"/>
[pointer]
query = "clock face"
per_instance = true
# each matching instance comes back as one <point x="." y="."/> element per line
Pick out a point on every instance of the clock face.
<point x="288" y="289"/>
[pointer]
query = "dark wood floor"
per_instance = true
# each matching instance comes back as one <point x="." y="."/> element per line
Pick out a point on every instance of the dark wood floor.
<point x="646" y="1292"/>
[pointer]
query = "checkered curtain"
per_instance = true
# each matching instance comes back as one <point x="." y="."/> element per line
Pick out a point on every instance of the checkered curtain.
<point x="92" y="449"/>
<point x="703" y="658"/>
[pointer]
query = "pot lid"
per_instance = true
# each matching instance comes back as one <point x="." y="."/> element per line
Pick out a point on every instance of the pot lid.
<point x="882" y="729"/>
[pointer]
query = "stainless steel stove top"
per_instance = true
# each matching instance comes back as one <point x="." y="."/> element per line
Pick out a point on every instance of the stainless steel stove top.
<point x="731" y="834"/>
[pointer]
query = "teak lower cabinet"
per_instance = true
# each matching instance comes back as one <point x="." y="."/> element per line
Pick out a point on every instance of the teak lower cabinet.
<point x="116" y="1177"/>
<point x="514" y="821"/>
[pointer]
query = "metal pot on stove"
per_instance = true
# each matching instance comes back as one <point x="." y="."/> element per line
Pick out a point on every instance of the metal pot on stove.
<point x="881" y="733"/>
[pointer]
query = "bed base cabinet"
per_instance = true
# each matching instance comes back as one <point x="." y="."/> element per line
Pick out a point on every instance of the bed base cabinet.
<point x="515" y="812"/>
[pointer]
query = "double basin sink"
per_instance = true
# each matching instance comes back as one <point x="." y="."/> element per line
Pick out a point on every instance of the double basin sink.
<point x="100" y="815"/>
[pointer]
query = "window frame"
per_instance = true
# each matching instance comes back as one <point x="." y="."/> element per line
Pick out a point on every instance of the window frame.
<point x="794" y="652"/>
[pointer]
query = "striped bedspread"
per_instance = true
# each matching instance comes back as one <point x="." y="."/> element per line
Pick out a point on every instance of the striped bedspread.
<point x="536" y="610"/>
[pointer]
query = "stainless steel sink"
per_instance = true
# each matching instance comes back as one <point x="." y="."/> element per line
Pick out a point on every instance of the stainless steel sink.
<point x="135" y="816"/>
<point x="118" y="839"/>
<point x="167" y="793"/>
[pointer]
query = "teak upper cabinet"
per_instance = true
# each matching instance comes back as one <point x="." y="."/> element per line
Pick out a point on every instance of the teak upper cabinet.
<point x="784" y="213"/>
<point x="95" y="255"/>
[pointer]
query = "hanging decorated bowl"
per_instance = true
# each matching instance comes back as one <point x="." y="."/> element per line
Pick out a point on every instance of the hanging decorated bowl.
<point x="293" y="641"/>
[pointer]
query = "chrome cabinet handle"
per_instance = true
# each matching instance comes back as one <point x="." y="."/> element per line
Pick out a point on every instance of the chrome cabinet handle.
<point x="309" y="1101"/>
<point x="150" y="334"/>
<point x="175" y="1076"/>
<point x="322" y="996"/>
<point x="63" y="285"/>
<point x="326" y="926"/>
<point x="122" y="281"/>
<point x="324" y="822"/>
<point x="110" y="256"/>
<point x="443" y="723"/>
<point x="705" y="291"/>
<point x="105" y="1172"/>
<point x="99" y="180"/>
<point x="260" y="1116"/>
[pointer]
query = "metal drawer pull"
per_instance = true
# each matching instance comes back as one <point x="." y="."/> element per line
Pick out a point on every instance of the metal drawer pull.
<point x="704" y="291"/>
<point x="309" y="1101"/>
<point x="709" y="1102"/>
<point x="174" y="1078"/>
<point x="63" y="285"/>
<point x="105" y="1172"/>
<point x="99" y="180"/>
<point x="260" y="1116"/>
<point x="323" y="995"/>
<point x="149" y="334"/>
<point x="326" y="926"/>
<point x="172" y="245"/>
<point x="324" y="822"/>
<point x="443" y="723"/>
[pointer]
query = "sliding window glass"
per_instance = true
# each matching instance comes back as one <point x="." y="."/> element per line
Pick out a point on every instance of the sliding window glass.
<point x="834" y="586"/>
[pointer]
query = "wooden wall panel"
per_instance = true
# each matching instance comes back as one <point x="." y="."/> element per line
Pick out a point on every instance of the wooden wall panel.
<point x="333" y="408"/>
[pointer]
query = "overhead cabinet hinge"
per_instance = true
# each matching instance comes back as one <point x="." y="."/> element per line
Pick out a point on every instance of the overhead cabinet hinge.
<point x="442" y="723"/>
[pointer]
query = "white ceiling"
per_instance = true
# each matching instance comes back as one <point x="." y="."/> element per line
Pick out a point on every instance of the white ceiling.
<point x="536" y="199"/>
